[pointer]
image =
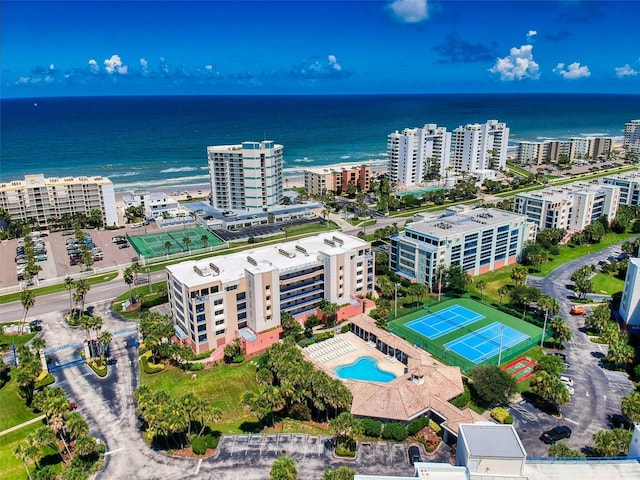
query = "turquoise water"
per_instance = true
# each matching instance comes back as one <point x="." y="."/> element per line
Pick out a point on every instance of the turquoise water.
<point x="365" y="368"/>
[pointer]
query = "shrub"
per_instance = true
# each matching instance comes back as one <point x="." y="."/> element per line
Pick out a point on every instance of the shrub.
<point x="301" y="412"/>
<point x="395" y="431"/>
<point x="199" y="445"/>
<point x="417" y="425"/>
<point x="345" y="328"/>
<point x="463" y="399"/>
<point x="499" y="414"/>
<point x="237" y="359"/>
<point x="148" y="367"/>
<point x="212" y="440"/>
<point x="344" y="450"/>
<point x="192" y="367"/>
<point x="371" y="427"/>
<point x="203" y="355"/>
<point x="508" y="420"/>
<point x="434" y="426"/>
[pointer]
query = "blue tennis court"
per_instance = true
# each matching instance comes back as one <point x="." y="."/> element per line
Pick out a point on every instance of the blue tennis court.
<point x="484" y="343"/>
<point x="444" y="321"/>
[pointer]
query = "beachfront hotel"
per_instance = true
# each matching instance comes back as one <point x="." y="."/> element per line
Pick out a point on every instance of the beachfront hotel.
<point x="479" y="240"/>
<point x="320" y="180"/>
<point x="630" y="300"/>
<point x="246" y="177"/>
<point x="629" y="184"/>
<point x="631" y="141"/>
<point x="480" y="147"/>
<point x="570" y="207"/>
<point x="414" y="153"/>
<point x="41" y="199"/>
<point x="214" y="300"/>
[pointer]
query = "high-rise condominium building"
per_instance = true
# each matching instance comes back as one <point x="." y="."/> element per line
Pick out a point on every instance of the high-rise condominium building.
<point x="418" y="154"/>
<point x="630" y="300"/>
<point x="246" y="177"/>
<point x="41" y="199"/>
<point x="629" y="184"/>
<point x="320" y="180"/>
<point x="214" y="300"/>
<point x="480" y="147"/>
<point x="632" y="136"/>
<point x="478" y="240"/>
<point x="570" y="207"/>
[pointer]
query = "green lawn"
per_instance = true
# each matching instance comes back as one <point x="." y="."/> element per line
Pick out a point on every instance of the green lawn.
<point x="13" y="411"/>
<point x="12" y="467"/>
<point x="7" y="340"/>
<point x="606" y="284"/>
<point x="222" y="384"/>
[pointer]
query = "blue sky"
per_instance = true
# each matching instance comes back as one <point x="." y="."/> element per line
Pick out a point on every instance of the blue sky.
<point x="52" y="48"/>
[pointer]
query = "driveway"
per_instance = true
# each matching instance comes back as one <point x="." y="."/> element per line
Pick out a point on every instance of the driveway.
<point x="596" y="403"/>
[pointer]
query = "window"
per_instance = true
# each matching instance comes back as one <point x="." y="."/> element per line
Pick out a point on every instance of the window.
<point x="229" y="288"/>
<point x="218" y="312"/>
<point x="217" y="302"/>
<point x="219" y="332"/>
<point x="268" y="287"/>
<point x="267" y="298"/>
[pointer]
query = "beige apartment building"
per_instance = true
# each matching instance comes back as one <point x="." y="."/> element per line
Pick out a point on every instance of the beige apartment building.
<point x="320" y="180"/>
<point x="217" y="299"/>
<point x="42" y="199"/>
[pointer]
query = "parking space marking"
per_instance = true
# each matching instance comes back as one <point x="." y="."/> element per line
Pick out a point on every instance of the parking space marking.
<point x="198" y="466"/>
<point x="114" y="451"/>
<point x="572" y="421"/>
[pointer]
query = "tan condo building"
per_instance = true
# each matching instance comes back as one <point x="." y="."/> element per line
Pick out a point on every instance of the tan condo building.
<point x="41" y="199"/>
<point x="320" y="180"/>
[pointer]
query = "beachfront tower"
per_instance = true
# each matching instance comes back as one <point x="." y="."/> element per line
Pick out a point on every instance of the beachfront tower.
<point x="632" y="136"/>
<point x="480" y="147"/>
<point x="417" y="155"/>
<point x="246" y="177"/>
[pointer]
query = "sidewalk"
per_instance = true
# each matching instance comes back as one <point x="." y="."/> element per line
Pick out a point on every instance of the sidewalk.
<point x="29" y="422"/>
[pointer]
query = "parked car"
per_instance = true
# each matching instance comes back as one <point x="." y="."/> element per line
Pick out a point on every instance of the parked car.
<point x="42" y="257"/>
<point x="566" y="380"/>
<point x="66" y="233"/>
<point x="575" y="310"/>
<point x="414" y="454"/>
<point x="123" y="245"/>
<point x="557" y="433"/>
<point x="569" y="389"/>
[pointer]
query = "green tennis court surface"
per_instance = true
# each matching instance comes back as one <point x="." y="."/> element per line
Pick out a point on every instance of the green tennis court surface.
<point x="173" y="241"/>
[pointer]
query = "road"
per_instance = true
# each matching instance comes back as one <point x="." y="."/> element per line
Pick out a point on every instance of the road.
<point x="596" y="403"/>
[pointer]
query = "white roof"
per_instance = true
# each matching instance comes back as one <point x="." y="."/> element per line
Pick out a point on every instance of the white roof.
<point x="491" y="440"/>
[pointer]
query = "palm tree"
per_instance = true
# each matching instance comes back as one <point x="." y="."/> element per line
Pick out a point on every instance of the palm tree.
<point x="630" y="407"/>
<point x="69" y="285"/>
<point x="128" y="279"/>
<point x="38" y="344"/>
<point x="167" y="247"/>
<point x="85" y="445"/>
<point x="621" y="353"/>
<point x="549" y="305"/>
<point x="42" y="436"/>
<point x="28" y="300"/>
<point x="481" y="285"/>
<point x="28" y="453"/>
<point x="503" y="291"/>
<point x="186" y="241"/>
<point x="518" y="274"/>
<point x="76" y="425"/>
<point x="104" y="339"/>
<point x="82" y="288"/>
<point x="561" y="332"/>
<point x="205" y="241"/>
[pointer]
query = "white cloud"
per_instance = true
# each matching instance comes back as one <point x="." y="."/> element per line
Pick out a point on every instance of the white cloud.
<point x="410" y="11"/>
<point x="531" y="34"/>
<point x="333" y="63"/>
<point x="626" y="71"/>
<point x="93" y="66"/>
<point x="519" y="64"/>
<point x="114" y="65"/>
<point x="573" y="71"/>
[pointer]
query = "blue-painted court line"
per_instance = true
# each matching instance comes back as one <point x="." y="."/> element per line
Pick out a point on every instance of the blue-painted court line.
<point x="437" y="324"/>
<point x="482" y="344"/>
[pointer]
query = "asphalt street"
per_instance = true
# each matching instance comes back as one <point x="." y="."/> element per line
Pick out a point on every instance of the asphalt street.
<point x="596" y="403"/>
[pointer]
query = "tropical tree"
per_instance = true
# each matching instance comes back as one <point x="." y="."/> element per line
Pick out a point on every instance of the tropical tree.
<point x="518" y="274"/>
<point x="329" y="311"/>
<point x="560" y="450"/>
<point x="28" y="372"/>
<point x="69" y="285"/>
<point x="548" y="305"/>
<point x="128" y="279"/>
<point x="85" y="445"/>
<point x="167" y="246"/>
<point x="630" y="407"/>
<point x="44" y="436"/>
<point x="550" y="364"/>
<point x="283" y="468"/>
<point x="341" y="473"/>
<point x="611" y="443"/>
<point x="208" y="415"/>
<point x="550" y="389"/>
<point x="290" y="326"/>
<point x="28" y="453"/>
<point x="523" y="295"/>
<point x="82" y="289"/>
<point x="621" y="353"/>
<point x="561" y="332"/>
<point x="28" y="300"/>
<point x="38" y="343"/>
<point x="503" y="291"/>
<point x="481" y="285"/>
<point x="597" y="321"/>
<point x="186" y="241"/>
<point x="492" y="385"/>
<point x="457" y="278"/>
<point x="345" y="428"/>
<point x="76" y="425"/>
<point x="104" y="339"/>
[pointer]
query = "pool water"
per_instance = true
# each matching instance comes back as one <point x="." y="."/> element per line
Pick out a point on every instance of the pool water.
<point x="365" y="368"/>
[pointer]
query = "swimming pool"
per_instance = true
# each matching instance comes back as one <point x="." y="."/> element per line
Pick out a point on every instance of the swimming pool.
<point x="365" y="368"/>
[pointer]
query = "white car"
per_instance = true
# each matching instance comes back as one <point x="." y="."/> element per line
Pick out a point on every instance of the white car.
<point x="566" y="380"/>
<point x="569" y="389"/>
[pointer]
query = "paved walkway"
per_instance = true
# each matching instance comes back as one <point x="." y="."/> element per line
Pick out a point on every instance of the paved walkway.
<point x="17" y="427"/>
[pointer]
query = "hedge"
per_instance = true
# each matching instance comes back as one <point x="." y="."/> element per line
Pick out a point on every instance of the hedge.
<point x="371" y="427"/>
<point x="395" y="431"/>
<point x="147" y="367"/>
<point x="417" y="425"/>
<point x="192" y="367"/>
<point x="212" y="440"/>
<point x="199" y="445"/>
<point x="462" y="400"/>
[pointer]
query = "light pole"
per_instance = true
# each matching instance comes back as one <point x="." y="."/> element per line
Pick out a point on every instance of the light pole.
<point x="395" y="301"/>
<point x="544" y="327"/>
<point x="500" y="351"/>
<point x="439" y="283"/>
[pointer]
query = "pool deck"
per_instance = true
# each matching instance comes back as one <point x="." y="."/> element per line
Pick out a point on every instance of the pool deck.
<point x="346" y="348"/>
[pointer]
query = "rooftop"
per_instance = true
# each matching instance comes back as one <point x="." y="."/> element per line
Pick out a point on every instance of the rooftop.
<point x="455" y="223"/>
<point x="491" y="440"/>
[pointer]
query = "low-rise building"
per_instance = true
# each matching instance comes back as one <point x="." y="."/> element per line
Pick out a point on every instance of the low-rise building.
<point x="629" y="184"/>
<point x="41" y="199"/>
<point x="320" y="180"/>
<point x="569" y="207"/>
<point x="630" y="301"/>
<point x="214" y="300"/>
<point x="479" y="240"/>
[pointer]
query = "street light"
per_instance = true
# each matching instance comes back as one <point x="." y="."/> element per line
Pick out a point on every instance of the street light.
<point x="500" y="351"/>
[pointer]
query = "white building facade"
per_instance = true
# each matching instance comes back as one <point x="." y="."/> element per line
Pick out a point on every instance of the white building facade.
<point x="215" y="299"/>
<point x="415" y="152"/>
<point x="41" y="199"/>
<point x="246" y="177"/>
<point x="480" y="146"/>
<point x="479" y="240"/>
<point x="630" y="301"/>
<point x="632" y="136"/>
<point x="629" y="184"/>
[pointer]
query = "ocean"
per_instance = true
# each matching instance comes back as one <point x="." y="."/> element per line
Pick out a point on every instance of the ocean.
<point x="145" y="142"/>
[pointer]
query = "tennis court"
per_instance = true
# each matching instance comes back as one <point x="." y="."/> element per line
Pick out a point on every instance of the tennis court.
<point x="444" y="321"/>
<point x="155" y="244"/>
<point x="480" y="345"/>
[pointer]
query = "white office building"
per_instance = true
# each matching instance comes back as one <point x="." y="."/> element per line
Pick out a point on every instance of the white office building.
<point x="415" y="154"/>
<point x="632" y="136"/>
<point x="480" y="146"/>
<point x="570" y="207"/>
<point x="630" y="301"/>
<point x="246" y="177"/>
<point x="479" y="240"/>
<point x="41" y="199"/>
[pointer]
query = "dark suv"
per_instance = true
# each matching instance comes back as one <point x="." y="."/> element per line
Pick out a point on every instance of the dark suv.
<point x="414" y="454"/>
<point x="555" y="434"/>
